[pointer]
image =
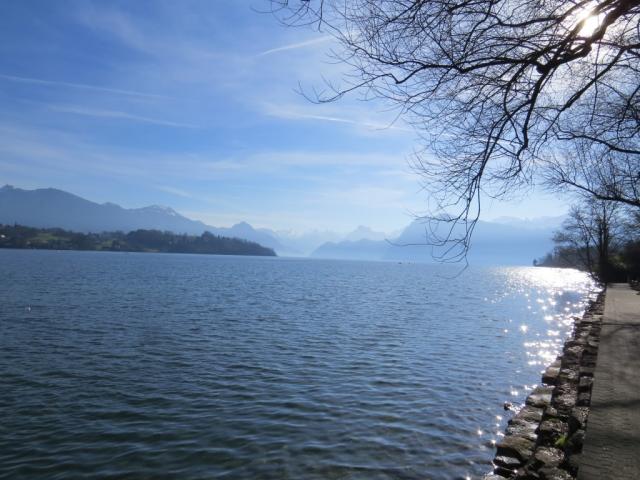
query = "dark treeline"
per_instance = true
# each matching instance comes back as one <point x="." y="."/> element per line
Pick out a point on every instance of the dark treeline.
<point x="600" y="237"/>
<point x="17" y="236"/>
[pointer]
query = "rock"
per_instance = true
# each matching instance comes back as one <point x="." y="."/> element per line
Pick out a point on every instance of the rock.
<point x="507" y="462"/>
<point x="589" y="359"/>
<point x="584" y="399"/>
<point x="585" y="384"/>
<point x="578" y="418"/>
<point x="554" y="473"/>
<point x="524" y="429"/>
<point x="550" y="412"/>
<point x="564" y="386"/>
<point x="526" y="474"/>
<point x="503" y="473"/>
<point x="528" y="414"/>
<point x="518" y="447"/>
<point x="568" y="375"/>
<point x="540" y="397"/>
<point x="587" y="371"/>
<point x="572" y="355"/>
<point x="587" y="319"/>
<point x="551" y="430"/>
<point x="547" y="457"/>
<point x="575" y="442"/>
<point x="550" y="375"/>
<point x="565" y="402"/>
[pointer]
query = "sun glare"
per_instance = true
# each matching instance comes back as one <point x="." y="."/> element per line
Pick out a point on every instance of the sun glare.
<point x="589" y="23"/>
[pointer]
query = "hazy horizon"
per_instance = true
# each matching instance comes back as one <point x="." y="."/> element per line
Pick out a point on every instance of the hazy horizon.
<point x="344" y="234"/>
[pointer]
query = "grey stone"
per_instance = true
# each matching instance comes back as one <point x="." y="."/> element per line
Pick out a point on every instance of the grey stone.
<point x="584" y="399"/>
<point x="550" y="375"/>
<point x="518" y="447"/>
<point x="585" y="384"/>
<point x="504" y="473"/>
<point x="589" y="360"/>
<point x="547" y="457"/>
<point x="575" y="442"/>
<point x="568" y="375"/>
<point x="587" y="371"/>
<point x="551" y="430"/>
<point x="523" y="429"/>
<point x="578" y="418"/>
<point x="507" y="462"/>
<point x="565" y="402"/>
<point x="572" y="353"/>
<point x="540" y="397"/>
<point x="550" y="412"/>
<point x="587" y="319"/>
<point x="526" y="473"/>
<point x="528" y="414"/>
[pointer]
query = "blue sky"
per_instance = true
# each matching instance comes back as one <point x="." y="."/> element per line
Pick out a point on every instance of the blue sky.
<point x="193" y="104"/>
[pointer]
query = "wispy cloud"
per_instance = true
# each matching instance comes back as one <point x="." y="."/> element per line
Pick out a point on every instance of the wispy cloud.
<point x="293" y="112"/>
<point x="90" y="112"/>
<point x="82" y="86"/>
<point x="175" y="191"/>
<point x="294" y="46"/>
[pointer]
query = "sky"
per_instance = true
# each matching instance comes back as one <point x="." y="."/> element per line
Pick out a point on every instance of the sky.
<point x="197" y="105"/>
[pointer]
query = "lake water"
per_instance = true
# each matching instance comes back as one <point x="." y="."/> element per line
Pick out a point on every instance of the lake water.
<point x="158" y="366"/>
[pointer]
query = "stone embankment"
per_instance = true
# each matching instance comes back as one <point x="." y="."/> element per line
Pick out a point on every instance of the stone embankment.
<point x="543" y="441"/>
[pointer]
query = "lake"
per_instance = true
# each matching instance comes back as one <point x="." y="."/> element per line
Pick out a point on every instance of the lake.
<point x="118" y="365"/>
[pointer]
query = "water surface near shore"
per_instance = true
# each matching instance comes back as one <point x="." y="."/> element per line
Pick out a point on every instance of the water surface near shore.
<point x="188" y="366"/>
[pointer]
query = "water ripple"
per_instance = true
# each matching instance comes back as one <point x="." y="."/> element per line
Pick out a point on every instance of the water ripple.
<point x="194" y="367"/>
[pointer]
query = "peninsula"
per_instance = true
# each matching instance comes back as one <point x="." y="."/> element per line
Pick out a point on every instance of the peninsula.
<point x="18" y="236"/>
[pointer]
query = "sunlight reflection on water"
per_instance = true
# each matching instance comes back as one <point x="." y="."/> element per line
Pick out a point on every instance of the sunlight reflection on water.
<point x="542" y="345"/>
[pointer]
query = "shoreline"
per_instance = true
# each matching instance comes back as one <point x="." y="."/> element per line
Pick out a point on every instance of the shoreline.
<point x="544" y="438"/>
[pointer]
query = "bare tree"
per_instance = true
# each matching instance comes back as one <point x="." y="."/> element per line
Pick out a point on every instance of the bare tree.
<point x="497" y="89"/>
<point x="590" y="234"/>
<point x="597" y="170"/>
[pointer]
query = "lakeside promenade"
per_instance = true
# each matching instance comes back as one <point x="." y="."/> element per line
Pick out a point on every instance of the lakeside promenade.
<point x="612" y="440"/>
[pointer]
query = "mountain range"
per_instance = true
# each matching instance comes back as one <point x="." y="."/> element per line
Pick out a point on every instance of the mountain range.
<point x="502" y="241"/>
<point x="49" y="207"/>
<point x="492" y="244"/>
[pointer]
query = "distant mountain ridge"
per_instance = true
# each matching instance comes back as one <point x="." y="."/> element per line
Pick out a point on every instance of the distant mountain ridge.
<point x="364" y="233"/>
<point x="492" y="243"/>
<point x="362" y="249"/>
<point x="53" y="208"/>
<point x="506" y="241"/>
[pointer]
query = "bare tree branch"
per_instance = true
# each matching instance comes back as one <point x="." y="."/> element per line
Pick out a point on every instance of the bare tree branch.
<point x="499" y="90"/>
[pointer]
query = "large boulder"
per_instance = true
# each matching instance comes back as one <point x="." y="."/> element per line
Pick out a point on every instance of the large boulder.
<point x="578" y="419"/>
<point x="516" y="447"/>
<point x="551" y="430"/>
<point x="547" y="457"/>
<point x="540" y="397"/>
